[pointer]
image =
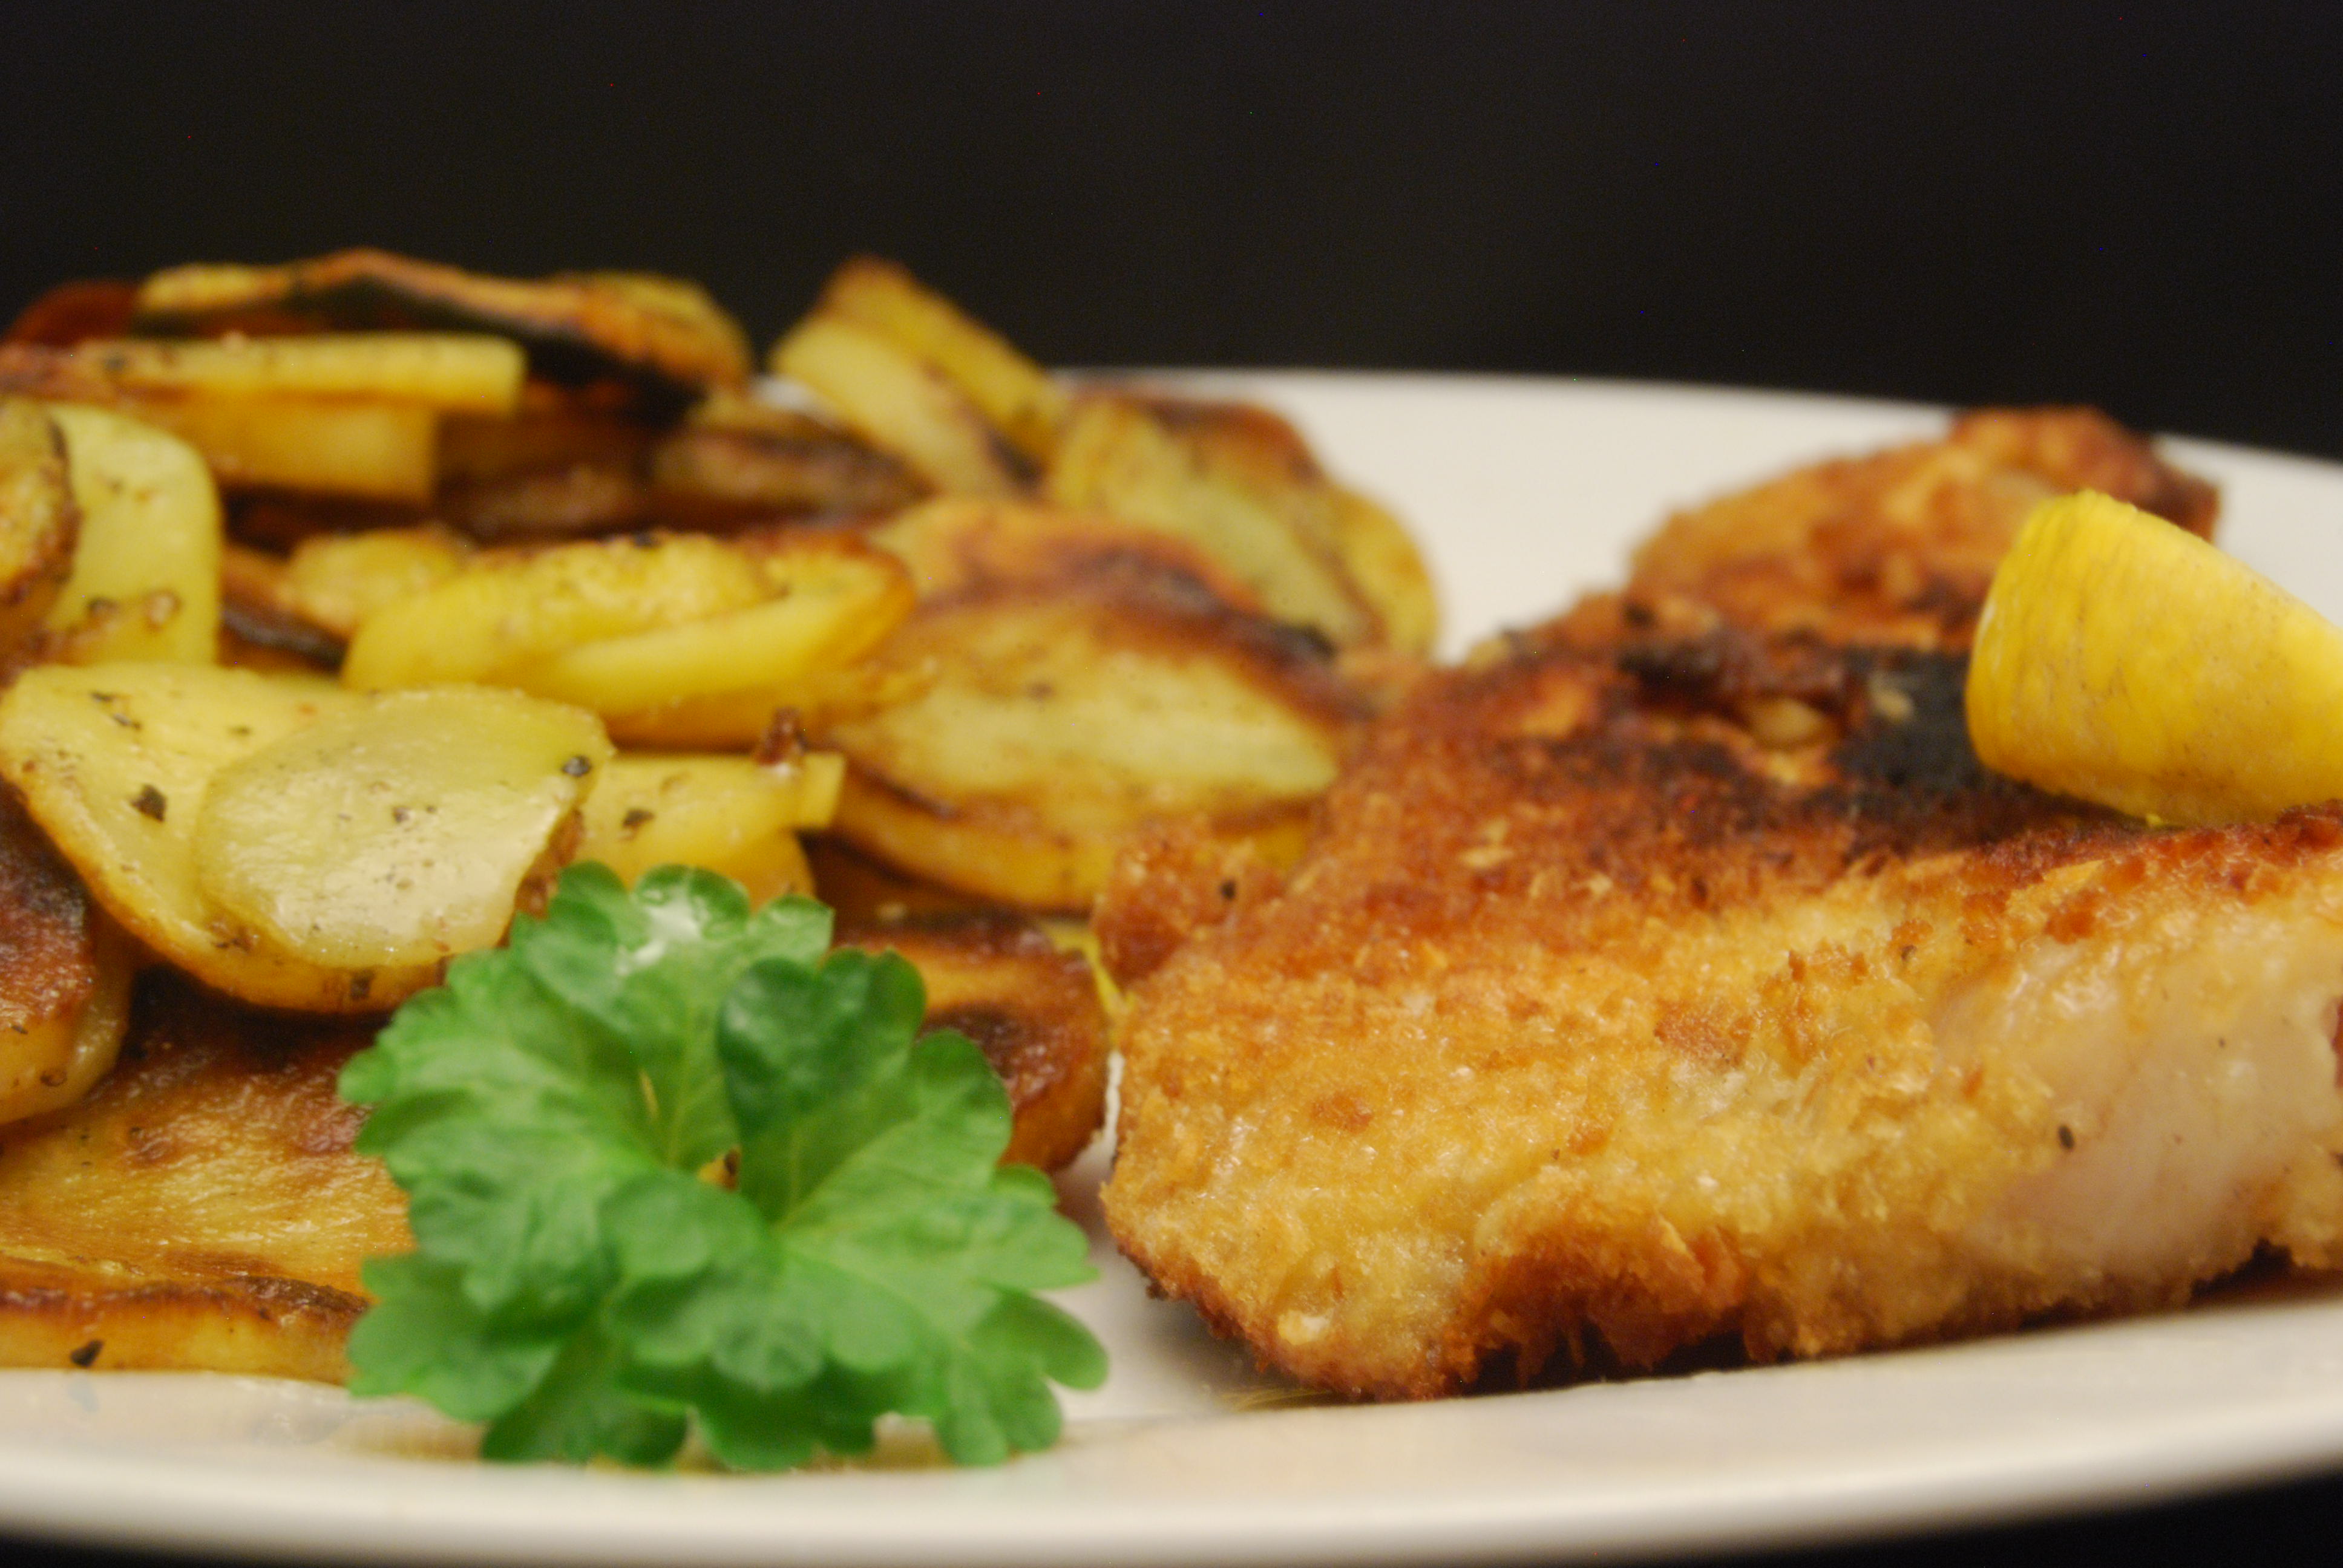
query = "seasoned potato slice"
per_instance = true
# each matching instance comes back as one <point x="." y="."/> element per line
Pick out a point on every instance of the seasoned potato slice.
<point x="899" y="404"/>
<point x="1033" y="1009"/>
<point x="833" y="600"/>
<point x="145" y="582"/>
<point x="1012" y="391"/>
<point x="365" y="449"/>
<point x="735" y="459"/>
<point x="334" y="581"/>
<point x="1064" y="716"/>
<point x="733" y="720"/>
<point x="727" y="814"/>
<point x="398" y="831"/>
<point x="662" y="333"/>
<point x="113" y="761"/>
<point x="64" y="976"/>
<point x="450" y="371"/>
<point x="1237" y="481"/>
<point x="478" y="448"/>
<point x="1388" y="570"/>
<point x="954" y="543"/>
<point x="203" y="1208"/>
<point x="38" y="521"/>
<point x="505" y="613"/>
<point x="375" y="451"/>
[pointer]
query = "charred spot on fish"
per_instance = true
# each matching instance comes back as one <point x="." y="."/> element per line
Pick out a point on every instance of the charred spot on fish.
<point x="86" y="1356"/>
<point x="1921" y="742"/>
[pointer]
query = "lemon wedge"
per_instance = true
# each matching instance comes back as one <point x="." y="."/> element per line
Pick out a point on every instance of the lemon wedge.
<point x="2122" y="661"/>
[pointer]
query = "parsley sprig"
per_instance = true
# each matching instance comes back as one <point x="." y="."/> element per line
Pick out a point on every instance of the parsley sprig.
<point x="579" y="1288"/>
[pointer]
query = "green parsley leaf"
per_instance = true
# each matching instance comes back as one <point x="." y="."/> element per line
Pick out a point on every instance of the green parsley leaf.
<point x="579" y="1288"/>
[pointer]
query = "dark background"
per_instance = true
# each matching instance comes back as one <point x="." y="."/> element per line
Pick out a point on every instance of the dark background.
<point x="2139" y="206"/>
<point x="2134" y="205"/>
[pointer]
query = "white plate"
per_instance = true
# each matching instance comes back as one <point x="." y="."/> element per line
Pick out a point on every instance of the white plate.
<point x="1528" y="492"/>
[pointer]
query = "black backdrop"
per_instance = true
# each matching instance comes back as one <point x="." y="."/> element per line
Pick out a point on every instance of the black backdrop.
<point x="2136" y="205"/>
<point x="2133" y="205"/>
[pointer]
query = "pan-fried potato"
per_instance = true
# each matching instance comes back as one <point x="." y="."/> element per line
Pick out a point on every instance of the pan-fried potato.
<point x="1015" y="394"/>
<point x="1065" y="716"/>
<point x="579" y="501"/>
<point x="202" y="1210"/>
<point x="862" y="888"/>
<point x="727" y="814"/>
<point x="365" y="449"/>
<point x="1236" y="482"/>
<point x="504" y="613"/>
<point x="469" y="373"/>
<point x="400" y="832"/>
<point x="665" y="336"/>
<point x="145" y="582"/>
<point x="334" y="581"/>
<point x="955" y="543"/>
<point x="735" y="460"/>
<point x="112" y="760"/>
<point x="1388" y="570"/>
<point x="371" y="451"/>
<point x="900" y="404"/>
<point x="118" y="764"/>
<point x="1032" y="1008"/>
<point x="834" y="599"/>
<point x="547" y="433"/>
<point x="38" y="520"/>
<point x="734" y="720"/>
<point x="65" y="977"/>
<point x="71" y="313"/>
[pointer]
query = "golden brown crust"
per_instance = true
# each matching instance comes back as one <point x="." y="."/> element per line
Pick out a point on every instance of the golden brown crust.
<point x="578" y="328"/>
<point x="203" y="1207"/>
<point x="1650" y="981"/>
<point x="46" y="962"/>
<point x="1899" y="546"/>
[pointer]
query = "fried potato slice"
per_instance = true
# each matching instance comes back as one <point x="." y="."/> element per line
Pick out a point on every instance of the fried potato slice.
<point x="454" y="372"/>
<point x="114" y="762"/>
<point x="736" y="459"/>
<point x="901" y="405"/>
<point x="955" y="543"/>
<point x="365" y="450"/>
<point x="1032" y="1008"/>
<point x="39" y="522"/>
<point x="1012" y="392"/>
<point x="1066" y="716"/>
<point x="726" y="813"/>
<point x="1389" y="571"/>
<point x="832" y="599"/>
<point x="202" y="1210"/>
<point x="64" y="976"/>
<point x="549" y="432"/>
<point x="146" y="579"/>
<point x="579" y="501"/>
<point x="862" y="888"/>
<point x="663" y="335"/>
<point x="334" y="581"/>
<point x="75" y="312"/>
<point x="734" y="720"/>
<point x="1236" y="482"/>
<point x="504" y="613"/>
<point x="398" y="831"/>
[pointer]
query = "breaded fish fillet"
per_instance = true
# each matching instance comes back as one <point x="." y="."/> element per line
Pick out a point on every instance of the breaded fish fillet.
<point x="1668" y="976"/>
